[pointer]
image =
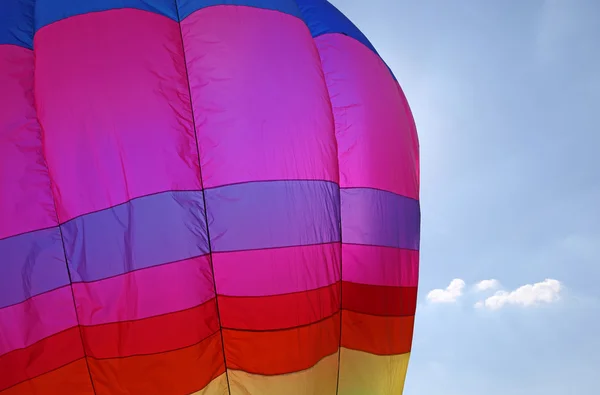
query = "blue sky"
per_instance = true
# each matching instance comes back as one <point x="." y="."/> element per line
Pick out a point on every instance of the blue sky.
<point x="506" y="97"/>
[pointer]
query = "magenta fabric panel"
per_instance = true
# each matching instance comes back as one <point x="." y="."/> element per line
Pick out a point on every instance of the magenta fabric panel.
<point x="375" y="265"/>
<point x="25" y="198"/>
<point x="378" y="157"/>
<point x="114" y="108"/>
<point x="145" y="293"/>
<point x="34" y="301"/>
<point x="278" y="270"/>
<point x="260" y="100"/>
<point x="413" y="137"/>
<point x="377" y="143"/>
<point x="42" y="316"/>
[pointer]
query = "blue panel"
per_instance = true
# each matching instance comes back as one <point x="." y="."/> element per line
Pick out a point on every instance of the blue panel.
<point x="16" y="22"/>
<point x="323" y="18"/>
<point x="49" y="11"/>
<point x="31" y="264"/>
<point x="273" y="214"/>
<point x="380" y="218"/>
<point x="144" y="232"/>
<point x="187" y="7"/>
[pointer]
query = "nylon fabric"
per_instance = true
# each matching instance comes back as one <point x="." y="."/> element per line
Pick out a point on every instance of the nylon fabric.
<point x="212" y="197"/>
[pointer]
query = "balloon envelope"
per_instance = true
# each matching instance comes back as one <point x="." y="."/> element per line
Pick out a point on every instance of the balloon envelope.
<point x="202" y="196"/>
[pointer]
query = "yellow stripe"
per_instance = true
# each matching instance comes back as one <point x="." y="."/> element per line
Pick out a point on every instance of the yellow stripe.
<point x="216" y="387"/>
<point x="362" y="373"/>
<point x="320" y="379"/>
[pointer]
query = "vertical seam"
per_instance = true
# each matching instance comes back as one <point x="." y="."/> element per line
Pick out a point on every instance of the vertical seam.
<point x="210" y="254"/>
<point x="62" y="239"/>
<point x="337" y="150"/>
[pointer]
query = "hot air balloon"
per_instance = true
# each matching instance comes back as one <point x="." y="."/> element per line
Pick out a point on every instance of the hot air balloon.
<point x="202" y="197"/>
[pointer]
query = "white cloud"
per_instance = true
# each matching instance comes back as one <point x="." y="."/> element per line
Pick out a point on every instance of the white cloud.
<point x="484" y="285"/>
<point x="448" y="295"/>
<point x="547" y="291"/>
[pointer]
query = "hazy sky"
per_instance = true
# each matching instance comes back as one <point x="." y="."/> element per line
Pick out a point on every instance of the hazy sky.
<point x="506" y="97"/>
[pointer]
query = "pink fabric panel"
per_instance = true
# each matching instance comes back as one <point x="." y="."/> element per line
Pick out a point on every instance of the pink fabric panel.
<point x="374" y="265"/>
<point x="25" y="196"/>
<point x="114" y="108"/>
<point x="145" y="293"/>
<point x="377" y="143"/>
<point x="277" y="270"/>
<point x="259" y="95"/>
<point x="25" y="323"/>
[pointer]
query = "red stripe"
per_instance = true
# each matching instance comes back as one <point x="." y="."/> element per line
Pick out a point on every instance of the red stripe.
<point x="377" y="335"/>
<point x="182" y="371"/>
<point x="280" y="352"/>
<point x="41" y="357"/>
<point x="73" y="378"/>
<point x="152" y="335"/>
<point x="379" y="300"/>
<point x="279" y="311"/>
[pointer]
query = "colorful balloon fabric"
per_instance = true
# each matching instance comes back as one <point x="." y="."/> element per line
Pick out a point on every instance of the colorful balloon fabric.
<point x="202" y="197"/>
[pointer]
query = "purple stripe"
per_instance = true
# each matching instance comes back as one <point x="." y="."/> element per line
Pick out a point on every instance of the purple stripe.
<point x="30" y="264"/>
<point x="170" y="226"/>
<point x="380" y="218"/>
<point x="144" y="232"/>
<point x="273" y="214"/>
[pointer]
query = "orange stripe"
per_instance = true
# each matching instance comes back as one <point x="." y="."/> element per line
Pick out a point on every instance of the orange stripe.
<point x="279" y="311"/>
<point x="177" y="372"/>
<point x="375" y="334"/>
<point x="152" y="335"/>
<point x="280" y="352"/>
<point x="41" y="357"/>
<point x="70" y="379"/>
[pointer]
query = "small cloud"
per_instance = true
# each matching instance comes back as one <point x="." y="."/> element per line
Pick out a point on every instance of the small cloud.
<point x="448" y="295"/>
<point x="485" y="285"/>
<point x="547" y="291"/>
